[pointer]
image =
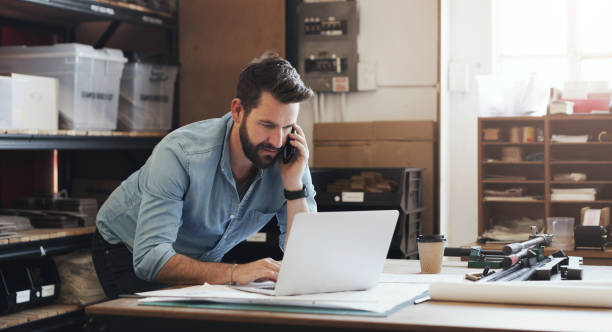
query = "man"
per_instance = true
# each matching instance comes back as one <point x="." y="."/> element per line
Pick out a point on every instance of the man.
<point x="208" y="186"/>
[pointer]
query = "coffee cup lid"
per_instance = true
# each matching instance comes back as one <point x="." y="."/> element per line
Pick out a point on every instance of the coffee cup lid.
<point x="431" y="238"/>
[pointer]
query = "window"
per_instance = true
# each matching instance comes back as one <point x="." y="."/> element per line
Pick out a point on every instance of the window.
<point x="559" y="40"/>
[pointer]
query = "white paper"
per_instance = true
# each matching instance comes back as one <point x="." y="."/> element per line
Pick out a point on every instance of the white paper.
<point x="380" y="299"/>
<point x="528" y="292"/>
<point x="591" y="217"/>
<point x="569" y="138"/>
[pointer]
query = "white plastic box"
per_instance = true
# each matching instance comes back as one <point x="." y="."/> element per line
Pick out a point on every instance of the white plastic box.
<point x="28" y="102"/>
<point x="88" y="80"/>
<point x="147" y="97"/>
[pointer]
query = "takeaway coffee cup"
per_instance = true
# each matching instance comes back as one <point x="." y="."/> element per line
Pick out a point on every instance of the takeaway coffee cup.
<point x="431" y="251"/>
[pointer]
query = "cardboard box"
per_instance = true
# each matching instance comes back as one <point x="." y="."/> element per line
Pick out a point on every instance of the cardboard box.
<point x="28" y="102"/>
<point x="382" y="144"/>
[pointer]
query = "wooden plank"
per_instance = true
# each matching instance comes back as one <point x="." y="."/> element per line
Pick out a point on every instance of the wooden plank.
<point x="99" y="133"/>
<point x="37" y="234"/>
<point x="33" y="314"/>
<point x="14" y="240"/>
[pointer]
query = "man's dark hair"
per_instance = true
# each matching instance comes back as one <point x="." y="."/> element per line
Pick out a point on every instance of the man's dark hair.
<point x="273" y="74"/>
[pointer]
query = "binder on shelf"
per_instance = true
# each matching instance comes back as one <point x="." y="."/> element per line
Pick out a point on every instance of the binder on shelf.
<point x="27" y="283"/>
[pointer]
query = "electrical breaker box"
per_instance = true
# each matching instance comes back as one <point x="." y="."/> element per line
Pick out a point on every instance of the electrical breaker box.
<point x="327" y="45"/>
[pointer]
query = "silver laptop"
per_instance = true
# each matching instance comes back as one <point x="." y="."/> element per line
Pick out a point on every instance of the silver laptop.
<point x="332" y="252"/>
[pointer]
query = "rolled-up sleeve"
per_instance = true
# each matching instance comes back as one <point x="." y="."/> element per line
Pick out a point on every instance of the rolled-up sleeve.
<point x="281" y="215"/>
<point x="163" y="187"/>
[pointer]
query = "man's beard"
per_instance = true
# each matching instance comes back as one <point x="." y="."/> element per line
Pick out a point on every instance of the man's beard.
<point x="251" y="151"/>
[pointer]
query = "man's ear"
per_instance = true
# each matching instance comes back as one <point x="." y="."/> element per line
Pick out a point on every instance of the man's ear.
<point x="237" y="110"/>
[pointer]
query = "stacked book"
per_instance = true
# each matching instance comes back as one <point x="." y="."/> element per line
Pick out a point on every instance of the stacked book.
<point x="11" y="225"/>
<point x="573" y="194"/>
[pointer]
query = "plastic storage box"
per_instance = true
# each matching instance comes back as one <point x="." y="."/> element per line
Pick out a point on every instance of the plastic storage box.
<point x="28" y="102"/>
<point x="147" y="97"/>
<point x="88" y="80"/>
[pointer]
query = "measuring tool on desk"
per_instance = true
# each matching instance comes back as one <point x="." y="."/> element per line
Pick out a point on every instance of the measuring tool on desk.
<point x="520" y="261"/>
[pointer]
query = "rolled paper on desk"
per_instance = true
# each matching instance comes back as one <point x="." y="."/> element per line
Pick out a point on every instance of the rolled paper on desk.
<point x="570" y="294"/>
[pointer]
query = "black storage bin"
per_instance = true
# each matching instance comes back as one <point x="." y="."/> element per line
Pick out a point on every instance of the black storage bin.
<point x="27" y="283"/>
<point x="590" y="237"/>
<point x="45" y="280"/>
<point x="336" y="193"/>
<point x="343" y="187"/>
<point x="16" y="287"/>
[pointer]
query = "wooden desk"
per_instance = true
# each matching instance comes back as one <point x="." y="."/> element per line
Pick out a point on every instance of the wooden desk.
<point x="125" y="315"/>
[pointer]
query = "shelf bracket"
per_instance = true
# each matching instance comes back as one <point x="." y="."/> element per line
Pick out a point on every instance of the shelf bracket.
<point x="108" y="33"/>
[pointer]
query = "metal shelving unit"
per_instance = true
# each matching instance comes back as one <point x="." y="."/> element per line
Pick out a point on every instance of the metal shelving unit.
<point x="45" y="247"/>
<point x="72" y="12"/>
<point x="47" y="142"/>
<point x="63" y="16"/>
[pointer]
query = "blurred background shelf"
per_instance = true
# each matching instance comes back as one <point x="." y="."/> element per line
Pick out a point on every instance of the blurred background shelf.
<point x="83" y="141"/>
<point x="589" y="159"/>
<point x="40" y="242"/>
<point x="73" y="12"/>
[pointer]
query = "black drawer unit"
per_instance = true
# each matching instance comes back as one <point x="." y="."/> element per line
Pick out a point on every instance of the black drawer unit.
<point x="355" y="189"/>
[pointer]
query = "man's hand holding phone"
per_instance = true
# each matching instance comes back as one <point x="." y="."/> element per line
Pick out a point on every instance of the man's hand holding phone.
<point x="294" y="158"/>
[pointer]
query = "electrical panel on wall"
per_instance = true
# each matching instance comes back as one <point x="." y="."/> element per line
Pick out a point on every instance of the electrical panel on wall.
<point x="327" y="45"/>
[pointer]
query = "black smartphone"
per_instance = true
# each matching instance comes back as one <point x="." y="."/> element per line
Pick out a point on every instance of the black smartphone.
<point x="288" y="150"/>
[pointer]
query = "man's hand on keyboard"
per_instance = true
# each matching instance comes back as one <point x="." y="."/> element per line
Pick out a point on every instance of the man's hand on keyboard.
<point x="261" y="270"/>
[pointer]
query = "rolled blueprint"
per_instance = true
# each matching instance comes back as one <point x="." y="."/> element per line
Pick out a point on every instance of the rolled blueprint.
<point x="586" y="294"/>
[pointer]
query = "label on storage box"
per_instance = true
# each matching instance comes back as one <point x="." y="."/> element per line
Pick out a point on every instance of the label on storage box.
<point x="353" y="196"/>
<point x="23" y="296"/>
<point x="48" y="290"/>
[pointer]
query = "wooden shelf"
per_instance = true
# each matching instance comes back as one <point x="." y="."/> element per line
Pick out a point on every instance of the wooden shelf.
<point x="514" y="118"/>
<point x="580" y="143"/>
<point x="38" y="234"/>
<point x="515" y="202"/>
<point x="581" y="162"/>
<point x="513" y="162"/>
<point x="592" y="158"/>
<point x="582" y="202"/>
<point x="583" y="182"/>
<point x="594" y="117"/>
<point x="48" y="241"/>
<point x="513" y="181"/>
<point x="35" y="314"/>
<point x="513" y="144"/>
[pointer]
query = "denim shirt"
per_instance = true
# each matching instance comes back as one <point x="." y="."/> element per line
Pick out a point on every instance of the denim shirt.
<point x="184" y="200"/>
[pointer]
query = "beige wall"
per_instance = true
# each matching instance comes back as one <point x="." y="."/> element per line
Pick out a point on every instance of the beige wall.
<point x="216" y="39"/>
